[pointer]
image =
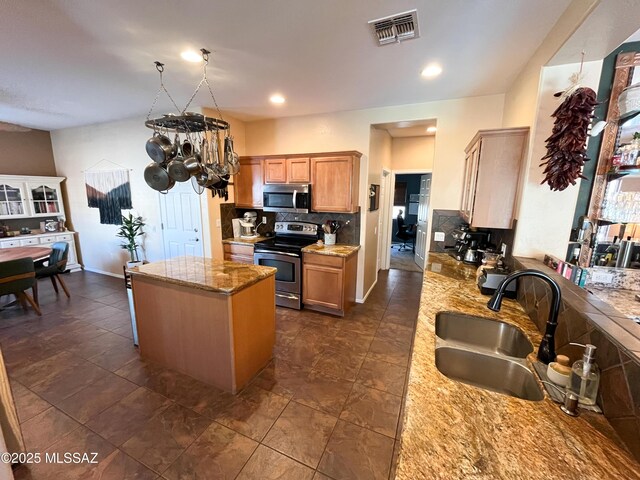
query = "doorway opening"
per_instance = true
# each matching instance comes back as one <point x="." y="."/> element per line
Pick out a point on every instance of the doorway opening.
<point x="409" y="216"/>
<point x="406" y="212"/>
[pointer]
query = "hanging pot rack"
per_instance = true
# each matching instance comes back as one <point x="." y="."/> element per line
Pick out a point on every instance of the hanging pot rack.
<point x="214" y="167"/>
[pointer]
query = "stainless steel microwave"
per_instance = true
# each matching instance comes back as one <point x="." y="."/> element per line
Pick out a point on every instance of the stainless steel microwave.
<point x="286" y="198"/>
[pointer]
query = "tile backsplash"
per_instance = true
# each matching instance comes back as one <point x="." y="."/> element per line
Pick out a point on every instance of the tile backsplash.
<point x="444" y="221"/>
<point x="585" y="319"/>
<point x="349" y="233"/>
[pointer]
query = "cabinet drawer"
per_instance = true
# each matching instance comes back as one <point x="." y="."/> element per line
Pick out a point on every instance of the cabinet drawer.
<point x="10" y="243"/>
<point x="64" y="238"/>
<point x="325" y="260"/>
<point x="48" y="239"/>
<point x="238" y="249"/>
<point x="230" y="257"/>
<point x="29" y="241"/>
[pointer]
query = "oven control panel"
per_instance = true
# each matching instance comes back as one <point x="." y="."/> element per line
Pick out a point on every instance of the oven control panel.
<point x="298" y="228"/>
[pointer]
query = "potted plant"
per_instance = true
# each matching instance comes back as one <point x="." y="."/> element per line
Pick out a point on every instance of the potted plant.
<point x="130" y="230"/>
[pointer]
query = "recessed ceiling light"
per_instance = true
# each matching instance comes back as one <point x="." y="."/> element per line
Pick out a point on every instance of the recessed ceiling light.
<point x="432" y="130"/>
<point x="277" y="99"/>
<point x="191" y="56"/>
<point x="432" y="70"/>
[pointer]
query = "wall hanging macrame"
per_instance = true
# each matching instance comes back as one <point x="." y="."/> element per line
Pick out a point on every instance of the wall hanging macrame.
<point x="110" y="193"/>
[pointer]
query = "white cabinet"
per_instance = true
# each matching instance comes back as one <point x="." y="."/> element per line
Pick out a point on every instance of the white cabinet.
<point x="22" y="197"/>
<point x="46" y="239"/>
<point x="35" y="197"/>
<point x="13" y="202"/>
<point x="45" y="198"/>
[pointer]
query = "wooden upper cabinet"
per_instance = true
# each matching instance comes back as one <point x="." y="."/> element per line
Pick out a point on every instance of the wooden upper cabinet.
<point x="298" y="170"/>
<point x="286" y="170"/>
<point x="248" y="183"/>
<point x="492" y="174"/>
<point x="275" y="170"/>
<point x="335" y="183"/>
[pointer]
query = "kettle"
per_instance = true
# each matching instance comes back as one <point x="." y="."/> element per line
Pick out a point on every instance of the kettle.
<point x="470" y="256"/>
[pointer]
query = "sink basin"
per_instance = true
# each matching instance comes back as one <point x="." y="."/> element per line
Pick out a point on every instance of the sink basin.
<point x="483" y="334"/>
<point x="500" y="375"/>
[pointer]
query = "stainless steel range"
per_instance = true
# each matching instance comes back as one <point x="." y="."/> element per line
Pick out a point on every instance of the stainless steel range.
<point x="284" y="251"/>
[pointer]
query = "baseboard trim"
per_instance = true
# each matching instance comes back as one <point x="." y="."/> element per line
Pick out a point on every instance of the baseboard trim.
<point x="111" y="274"/>
<point x="362" y="300"/>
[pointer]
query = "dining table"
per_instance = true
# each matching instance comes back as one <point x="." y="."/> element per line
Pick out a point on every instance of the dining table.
<point x="16" y="253"/>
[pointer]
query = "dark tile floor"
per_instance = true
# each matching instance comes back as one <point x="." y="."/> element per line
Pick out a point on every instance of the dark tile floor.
<point x="326" y="407"/>
<point x="403" y="260"/>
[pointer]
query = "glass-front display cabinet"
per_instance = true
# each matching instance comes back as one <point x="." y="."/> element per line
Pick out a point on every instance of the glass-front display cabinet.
<point x="12" y="201"/>
<point x="45" y="199"/>
<point x="611" y="235"/>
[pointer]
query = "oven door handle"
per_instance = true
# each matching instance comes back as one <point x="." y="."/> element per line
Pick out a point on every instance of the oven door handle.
<point x="277" y="253"/>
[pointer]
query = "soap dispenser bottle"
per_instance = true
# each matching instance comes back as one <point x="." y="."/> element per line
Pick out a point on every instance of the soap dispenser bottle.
<point x="585" y="376"/>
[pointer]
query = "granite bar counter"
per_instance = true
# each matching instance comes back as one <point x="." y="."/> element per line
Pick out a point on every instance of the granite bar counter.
<point x="455" y="431"/>
<point x="337" y="250"/>
<point x="213" y="320"/>
<point x="204" y="273"/>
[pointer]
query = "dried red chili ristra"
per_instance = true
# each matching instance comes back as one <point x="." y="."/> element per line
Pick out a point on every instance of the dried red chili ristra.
<point x="566" y="146"/>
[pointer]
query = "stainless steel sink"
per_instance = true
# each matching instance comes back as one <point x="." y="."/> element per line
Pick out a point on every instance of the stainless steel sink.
<point x="483" y="334"/>
<point x="491" y="372"/>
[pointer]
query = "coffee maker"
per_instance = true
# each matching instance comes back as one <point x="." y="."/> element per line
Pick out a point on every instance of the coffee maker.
<point x="468" y="244"/>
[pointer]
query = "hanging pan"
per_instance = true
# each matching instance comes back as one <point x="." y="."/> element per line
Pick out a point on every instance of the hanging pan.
<point x="160" y="148"/>
<point x="157" y="177"/>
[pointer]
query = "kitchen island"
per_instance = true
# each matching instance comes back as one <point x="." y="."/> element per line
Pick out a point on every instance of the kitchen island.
<point x="454" y="430"/>
<point x="211" y="319"/>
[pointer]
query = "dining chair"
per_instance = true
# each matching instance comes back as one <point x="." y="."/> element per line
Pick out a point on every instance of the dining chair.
<point x="56" y="264"/>
<point x="17" y="276"/>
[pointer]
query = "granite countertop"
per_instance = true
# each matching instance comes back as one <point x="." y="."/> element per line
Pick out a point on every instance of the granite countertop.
<point x="208" y="274"/>
<point x="337" y="250"/>
<point x="622" y="300"/>
<point x="243" y="241"/>
<point x="453" y="430"/>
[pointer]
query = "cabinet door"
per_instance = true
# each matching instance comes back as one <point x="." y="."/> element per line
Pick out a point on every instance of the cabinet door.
<point x="45" y="199"/>
<point x="248" y="183"/>
<point x="322" y="285"/>
<point x="332" y="179"/>
<point x="469" y="186"/>
<point x="298" y="170"/>
<point x="12" y="201"/>
<point x="496" y="182"/>
<point x="275" y="170"/>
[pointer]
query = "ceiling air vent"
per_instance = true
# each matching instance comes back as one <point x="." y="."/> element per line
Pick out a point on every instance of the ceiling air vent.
<point x="396" y="28"/>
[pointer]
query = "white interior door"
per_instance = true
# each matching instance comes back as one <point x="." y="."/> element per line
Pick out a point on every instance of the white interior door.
<point x="423" y="218"/>
<point x="384" y="235"/>
<point x="181" y="221"/>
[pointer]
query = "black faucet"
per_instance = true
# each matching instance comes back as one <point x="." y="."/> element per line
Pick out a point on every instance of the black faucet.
<point x="547" y="351"/>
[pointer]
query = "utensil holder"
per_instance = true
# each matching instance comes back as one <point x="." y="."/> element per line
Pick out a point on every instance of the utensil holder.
<point x="329" y="238"/>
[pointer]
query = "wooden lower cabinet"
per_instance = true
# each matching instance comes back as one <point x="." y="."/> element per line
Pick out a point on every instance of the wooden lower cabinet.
<point x="238" y="253"/>
<point x="329" y="283"/>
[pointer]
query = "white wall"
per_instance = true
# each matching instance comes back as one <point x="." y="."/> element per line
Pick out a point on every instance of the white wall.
<point x="413" y="153"/>
<point x="379" y="158"/>
<point x="545" y="217"/>
<point x="79" y="149"/>
<point x="458" y="120"/>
